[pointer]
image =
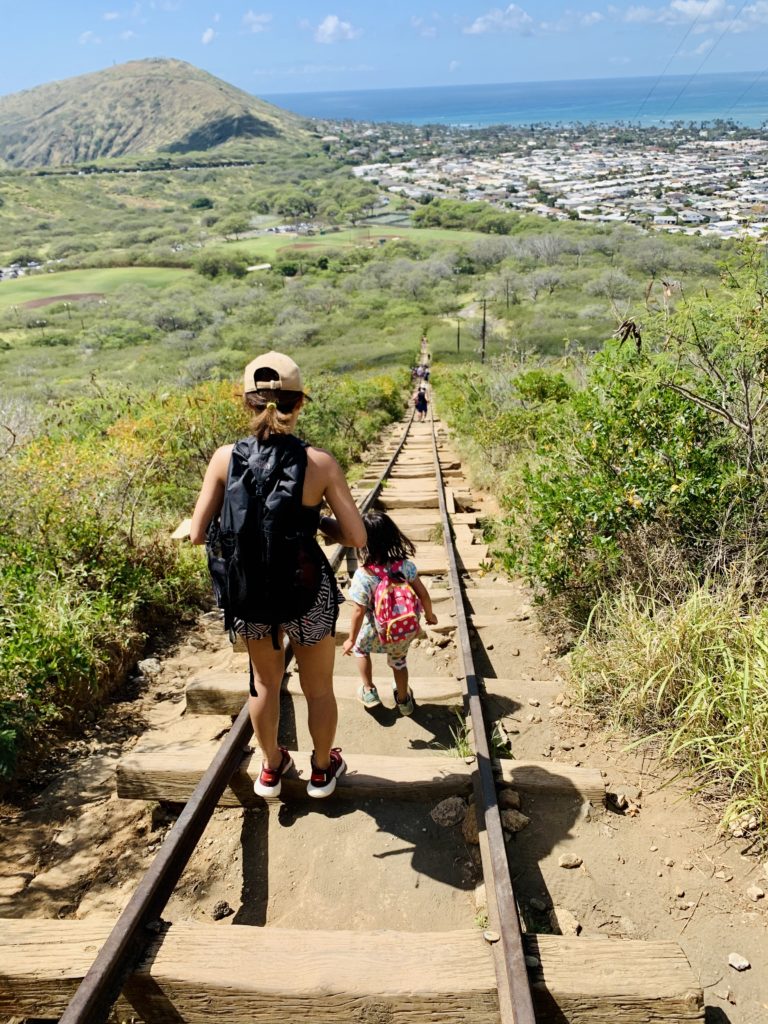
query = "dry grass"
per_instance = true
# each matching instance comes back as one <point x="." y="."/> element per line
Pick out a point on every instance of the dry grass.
<point x="693" y="673"/>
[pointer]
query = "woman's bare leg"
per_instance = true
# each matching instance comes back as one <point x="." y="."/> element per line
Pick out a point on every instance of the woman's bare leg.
<point x="268" y="671"/>
<point x="316" y="677"/>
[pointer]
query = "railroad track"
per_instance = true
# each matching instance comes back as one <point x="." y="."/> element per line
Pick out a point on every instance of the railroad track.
<point x="418" y="948"/>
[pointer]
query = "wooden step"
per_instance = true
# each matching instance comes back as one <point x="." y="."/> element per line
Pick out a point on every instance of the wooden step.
<point x="171" y="773"/>
<point x="223" y="693"/>
<point x="201" y="973"/>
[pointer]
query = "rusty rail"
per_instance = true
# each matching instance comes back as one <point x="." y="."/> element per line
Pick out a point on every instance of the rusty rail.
<point x="515" y="1003"/>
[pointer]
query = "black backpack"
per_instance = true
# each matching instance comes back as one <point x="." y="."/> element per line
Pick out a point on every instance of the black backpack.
<point x="265" y="563"/>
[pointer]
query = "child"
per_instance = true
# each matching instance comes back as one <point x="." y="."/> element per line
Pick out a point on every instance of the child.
<point x="386" y="549"/>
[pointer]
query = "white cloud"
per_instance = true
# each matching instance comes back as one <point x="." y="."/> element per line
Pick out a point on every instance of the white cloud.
<point x="420" y="25"/>
<point x="256" y="22"/>
<point x="89" y="39"/>
<point x="571" y="20"/>
<point x="513" y="19"/>
<point x="111" y="15"/>
<point x="454" y="65"/>
<point x="332" y="30"/>
<point x="128" y="35"/>
<point x="704" y="47"/>
<point x="706" y="9"/>
<point x="207" y="36"/>
<point x="681" y="12"/>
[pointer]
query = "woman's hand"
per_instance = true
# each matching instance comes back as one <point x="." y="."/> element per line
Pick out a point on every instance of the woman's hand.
<point x="347" y="646"/>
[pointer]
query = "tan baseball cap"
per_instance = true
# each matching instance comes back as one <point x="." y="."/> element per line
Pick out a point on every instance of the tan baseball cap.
<point x="288" y="374"/>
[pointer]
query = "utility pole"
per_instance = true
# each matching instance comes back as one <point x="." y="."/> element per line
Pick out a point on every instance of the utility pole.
<point x="482" y="335"/>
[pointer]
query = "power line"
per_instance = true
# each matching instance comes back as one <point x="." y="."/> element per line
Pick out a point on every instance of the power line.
<point x="751" y="85"/>
<point x="706" y="57"/>
<point x="680" y="45"/>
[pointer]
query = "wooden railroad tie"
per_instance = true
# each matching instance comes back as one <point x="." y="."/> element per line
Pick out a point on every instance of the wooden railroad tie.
<point x="203" y="973"/>
<point x="171" y="774"/>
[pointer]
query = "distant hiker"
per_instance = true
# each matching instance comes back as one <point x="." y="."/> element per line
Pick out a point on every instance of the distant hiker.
<point x="419" y="371"/>
<point x="421" y="404"/>
<point x="388" y="597"/>
<point x="259" y="510"/>
<point x="424" y="343"/>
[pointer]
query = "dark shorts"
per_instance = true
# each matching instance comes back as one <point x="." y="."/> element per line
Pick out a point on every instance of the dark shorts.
<point x="318" y="623"/>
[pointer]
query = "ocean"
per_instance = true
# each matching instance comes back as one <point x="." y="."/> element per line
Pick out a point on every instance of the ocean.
<point x="742" y="97"/>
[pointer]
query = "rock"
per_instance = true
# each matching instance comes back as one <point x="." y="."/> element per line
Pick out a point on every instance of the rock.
<point x="686" y="865"/>
<point x="567" y="745"/>
<point x="220" y="910"/>
<point x="586" y="810"/>
<point x="532" y="961"/>
<point x="738" y="962"/>
<point x="469" y="828"/>
<point x="669" y="862"/>
<point x="489" y="647"/>
<point x="514" y="652"/>
<point x="724" y="875"/>
<point x="491" y="936"/>
<point x="514" y="821"/>
<point x="450" y="811"/>
<point x="149" y="667"/>
<point x="538" y="904"/>
<point x="569" y="860"/>
<point x="755" y="893"/>
<point x="563" y="922"/>
<point x="509" y="798"/>
<point x="534" y="702"/>
<point x="680" y="893"/>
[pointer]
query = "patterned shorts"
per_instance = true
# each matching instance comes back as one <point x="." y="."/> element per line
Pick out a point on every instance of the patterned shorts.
<point x="318" y="623"/>
<point x="368" y="643"/>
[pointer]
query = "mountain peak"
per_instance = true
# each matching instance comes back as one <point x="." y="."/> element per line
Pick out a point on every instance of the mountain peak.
<point x="158" y="104"/>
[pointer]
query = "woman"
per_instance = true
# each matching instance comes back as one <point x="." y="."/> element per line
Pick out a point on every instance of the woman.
<point x="273" y="390"/>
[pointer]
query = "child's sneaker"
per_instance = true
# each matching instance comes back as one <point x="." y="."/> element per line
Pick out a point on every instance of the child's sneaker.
<point x="323" y="780"/>
<point x="405" y="707"/>
<point x="270" y="779"/>
<point x="368" y="698"/>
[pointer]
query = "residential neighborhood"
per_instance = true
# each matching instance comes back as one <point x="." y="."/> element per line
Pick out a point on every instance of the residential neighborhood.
<point x="717" y="187"/>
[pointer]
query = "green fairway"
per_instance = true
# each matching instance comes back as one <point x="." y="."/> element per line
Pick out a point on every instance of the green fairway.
<point x="43" y="285"/>
<point x="272" y="245"/>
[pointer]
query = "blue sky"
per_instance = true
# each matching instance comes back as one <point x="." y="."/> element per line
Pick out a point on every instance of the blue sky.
<point x="313" y="46"/>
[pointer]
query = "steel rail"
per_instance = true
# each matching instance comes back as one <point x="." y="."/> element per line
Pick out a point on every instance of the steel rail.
<point x="139" y="923"/>
<point x="511" y="970"/>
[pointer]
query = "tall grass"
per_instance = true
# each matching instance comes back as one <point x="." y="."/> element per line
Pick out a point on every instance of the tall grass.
<point x="693" y="673"/>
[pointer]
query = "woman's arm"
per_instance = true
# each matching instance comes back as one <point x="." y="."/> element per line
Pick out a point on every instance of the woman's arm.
<point x="347" y="527"/>
<point x="211" y="495"/>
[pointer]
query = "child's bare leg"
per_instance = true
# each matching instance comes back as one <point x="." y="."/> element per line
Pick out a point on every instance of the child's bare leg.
<point x="401" y="682"/>
<point x="365" y="668"/>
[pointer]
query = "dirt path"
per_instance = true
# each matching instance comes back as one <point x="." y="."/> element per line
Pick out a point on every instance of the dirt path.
<point x="661" y="871"/>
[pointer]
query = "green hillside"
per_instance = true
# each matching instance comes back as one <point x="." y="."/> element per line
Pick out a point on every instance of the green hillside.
<point x="144" y="106"/>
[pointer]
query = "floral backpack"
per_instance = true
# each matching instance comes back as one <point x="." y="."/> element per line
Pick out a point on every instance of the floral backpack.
<point x="396" y="608"/>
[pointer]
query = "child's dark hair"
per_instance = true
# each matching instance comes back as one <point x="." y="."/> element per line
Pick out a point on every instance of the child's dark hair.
<point x="385" y="541"/>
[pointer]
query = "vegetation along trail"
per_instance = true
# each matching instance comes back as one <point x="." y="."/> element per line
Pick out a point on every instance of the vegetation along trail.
<point x="385" y="878"/>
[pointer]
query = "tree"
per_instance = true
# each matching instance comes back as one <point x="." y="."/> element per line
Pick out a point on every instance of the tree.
<point x="234" y="225"/>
